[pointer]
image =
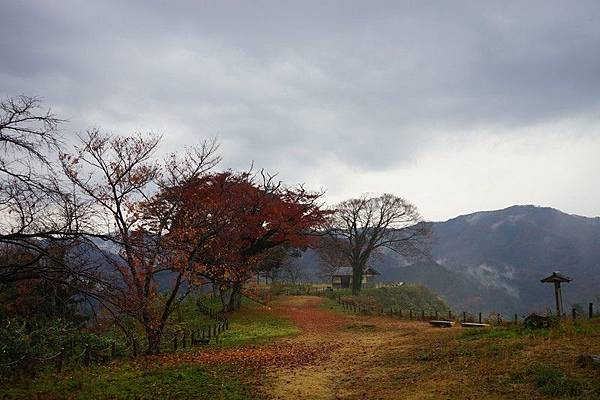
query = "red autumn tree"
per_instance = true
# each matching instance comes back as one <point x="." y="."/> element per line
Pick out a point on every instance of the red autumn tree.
<point x="229" y="224"/>
<point x="119" y="176"/>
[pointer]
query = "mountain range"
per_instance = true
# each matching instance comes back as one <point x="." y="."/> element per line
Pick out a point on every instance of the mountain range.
<point x="493" y="261"/>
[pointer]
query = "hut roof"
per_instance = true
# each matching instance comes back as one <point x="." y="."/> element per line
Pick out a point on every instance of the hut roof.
<point x="371" y="271"/>
<point x="556" y="277"/>
<point x="343" y="271"/>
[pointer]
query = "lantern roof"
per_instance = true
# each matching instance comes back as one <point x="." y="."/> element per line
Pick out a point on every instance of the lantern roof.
<point x="556" y="277"/>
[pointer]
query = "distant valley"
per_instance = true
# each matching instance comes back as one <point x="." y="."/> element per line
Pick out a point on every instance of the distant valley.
<point x="493" y="260"/>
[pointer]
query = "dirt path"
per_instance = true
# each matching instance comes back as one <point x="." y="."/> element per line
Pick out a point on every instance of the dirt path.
<point x="360" y="356"/>
<point x="335" y="356"/>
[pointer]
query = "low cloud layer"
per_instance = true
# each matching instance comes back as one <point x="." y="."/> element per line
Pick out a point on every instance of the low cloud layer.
<point x="458" y="107"/>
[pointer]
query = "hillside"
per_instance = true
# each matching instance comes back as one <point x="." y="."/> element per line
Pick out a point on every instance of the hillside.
<point x="494" y="260"/>
<point x="505" y="253"/>
<point x="306" y="347"/>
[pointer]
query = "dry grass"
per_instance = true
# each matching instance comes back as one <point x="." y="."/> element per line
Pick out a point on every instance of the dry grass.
<point x="383" y="358"/>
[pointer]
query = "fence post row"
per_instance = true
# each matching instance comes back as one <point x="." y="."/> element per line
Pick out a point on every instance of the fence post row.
<point x="214" y="330"/>
<point x="363" y="309"/>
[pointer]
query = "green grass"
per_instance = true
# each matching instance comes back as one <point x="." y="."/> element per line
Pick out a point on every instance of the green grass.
<point x="553" y="382"/>
<point x="406" y="297"/>
<point x="253" y="324"/>
<point x="125" y="382"/>
<point x="332" y="305"/>
<point x="187" y="316"/>
<point x="501" y="332"/>
<point x="584" y="327"/>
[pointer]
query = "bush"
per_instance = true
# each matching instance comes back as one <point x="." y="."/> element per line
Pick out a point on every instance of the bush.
<point x="553" y="382"/>
<point x="407" y="297"/>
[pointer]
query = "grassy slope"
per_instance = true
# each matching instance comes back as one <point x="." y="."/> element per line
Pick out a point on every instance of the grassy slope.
<point x="499" y="362"/>
<point x="507" y="362"/>
<point x="123" y="380"/>
<point x="407" y="297"/>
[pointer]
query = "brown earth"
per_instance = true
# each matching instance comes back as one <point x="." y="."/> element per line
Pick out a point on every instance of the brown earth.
<point x="362" y="355"/>
<point x="347" y="356"/>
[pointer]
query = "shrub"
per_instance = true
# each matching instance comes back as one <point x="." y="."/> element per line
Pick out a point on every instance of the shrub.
<point x="553" y="381"/>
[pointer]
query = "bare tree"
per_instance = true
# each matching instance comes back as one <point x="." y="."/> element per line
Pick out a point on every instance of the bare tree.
<point x="360" y="228"/>
<point x="38" y="212"/>
<point x="121" y="177"/>
<point x="27" y="133"/>
<point x="292" y="271"/>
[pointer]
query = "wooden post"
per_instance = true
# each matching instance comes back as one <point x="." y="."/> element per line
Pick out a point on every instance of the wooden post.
<point x="574" y="313"/>
<point x="464" y="316"/>
<point x="516" y="319"/>
<point x="134" y="344"/>
<point x="183" y="340"/>
<point x="175" y="342"/>
<point x="192" y="339"/>
<point x="449" y="315"/>
<point x="422" y="315"/>
<point x="400" y="313"/>
<point x="558" y="296"/>
<point x="87" y="356"/>
<point x="436" y="314"/>
<point x="499" y="319"/>
<point x="60" y="360"/>
<point x="591" y="310"/>
<point x="113" y="349"/>
<point x="479" y="317"/>
<point x="410" y="312"/>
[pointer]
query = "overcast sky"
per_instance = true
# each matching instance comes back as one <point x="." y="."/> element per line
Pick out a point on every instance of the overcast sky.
<point x="456" y="106"/>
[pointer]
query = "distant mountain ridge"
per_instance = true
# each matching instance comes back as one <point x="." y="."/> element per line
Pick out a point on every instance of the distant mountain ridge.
<point x="493" y="260"/>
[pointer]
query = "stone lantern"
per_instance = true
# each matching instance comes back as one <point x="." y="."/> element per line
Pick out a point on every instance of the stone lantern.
<point x="557" y="278"/>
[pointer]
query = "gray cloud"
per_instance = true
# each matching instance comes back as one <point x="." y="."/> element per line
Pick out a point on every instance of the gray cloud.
<point x="295" y="85"/>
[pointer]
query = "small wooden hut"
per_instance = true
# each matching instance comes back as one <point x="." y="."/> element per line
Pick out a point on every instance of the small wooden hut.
<point x="341" y="278"/>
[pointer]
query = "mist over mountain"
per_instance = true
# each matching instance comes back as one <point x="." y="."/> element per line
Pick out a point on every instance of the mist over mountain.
<point x="493" y="260"/>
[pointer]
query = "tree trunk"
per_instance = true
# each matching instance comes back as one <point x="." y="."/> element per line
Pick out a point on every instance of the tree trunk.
<point x="235" y="299"/>
<point x="357" y="273"/>
<point x="154" y="337"/>
<point x="225" y="296"/>
<point x="231" y="298"/>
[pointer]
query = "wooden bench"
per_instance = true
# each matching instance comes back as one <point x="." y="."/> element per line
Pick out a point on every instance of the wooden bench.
<point x="442" y="324"/>
<point x="473" y="325"/>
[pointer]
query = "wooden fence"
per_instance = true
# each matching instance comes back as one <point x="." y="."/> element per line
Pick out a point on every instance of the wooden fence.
<point x="85" y="354"/>
<point x="428" y="315"/>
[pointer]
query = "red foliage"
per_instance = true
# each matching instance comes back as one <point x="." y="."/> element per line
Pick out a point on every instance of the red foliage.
<point x="228" y="222"/>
